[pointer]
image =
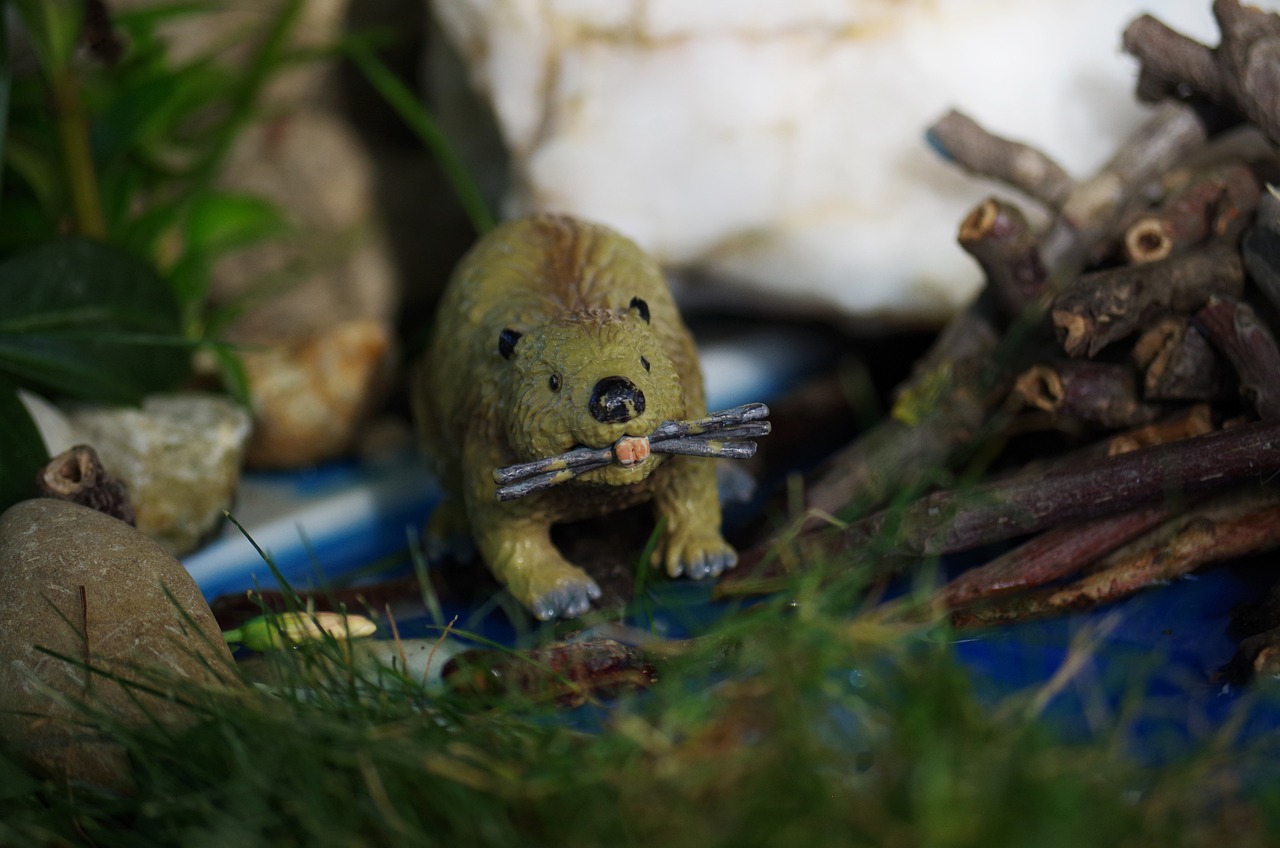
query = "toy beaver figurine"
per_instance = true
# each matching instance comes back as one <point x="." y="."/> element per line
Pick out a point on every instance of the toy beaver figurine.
<point x="556" y="334"/>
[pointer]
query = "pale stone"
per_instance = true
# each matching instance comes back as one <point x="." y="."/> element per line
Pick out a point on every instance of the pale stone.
<point x="311" y="399"/>
<point x="335" y="260"/>
<point x="300" y="154"/>
<point x="55" y="429"/>
<point x="179" y="454"/>
<point x="94" y="590"/>
<point x="778" y="144"/>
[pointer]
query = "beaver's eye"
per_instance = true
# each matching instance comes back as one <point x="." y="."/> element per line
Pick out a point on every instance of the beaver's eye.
<point x="644" y="363"/>
<point x="554" y="382"/>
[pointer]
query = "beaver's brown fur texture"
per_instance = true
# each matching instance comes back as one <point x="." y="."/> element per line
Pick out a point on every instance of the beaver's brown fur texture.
<point x="544" y="320"/>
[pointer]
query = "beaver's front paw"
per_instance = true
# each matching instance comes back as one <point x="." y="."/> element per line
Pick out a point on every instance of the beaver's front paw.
<point x="555" y="590"/>
<point x="696" y="553"/>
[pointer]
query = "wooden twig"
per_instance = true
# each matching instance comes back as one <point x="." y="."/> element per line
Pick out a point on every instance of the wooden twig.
<point x="962" y="140"/>
<point x="1241" y="74"/>
<point x="1106" y="306"/>
<point x="1261" y="247"/>
<point x="1170" y="60"/>
<point x="1091" y="215"/>
<point x="78" y="475"/>
<point x="997" y="235"/>
<point x="1227" y="527"/>
<point x="1095" y="394"/>
<point x="946" y="522"/>
<point x="1052" y="555"/>
<point x="1194" y="420"/>
<point x="1235" y="329"/>
<point x="721" y="434"/>
<point x="569" y="673"/>
<point x="1177" y="361"/>
<point x="1218" y="203"/>
<point x="1062" y="551"/>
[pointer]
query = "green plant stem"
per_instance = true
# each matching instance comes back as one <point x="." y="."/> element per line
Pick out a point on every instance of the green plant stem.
<point x="73" y="133"/>
<point x="406" y="105"/>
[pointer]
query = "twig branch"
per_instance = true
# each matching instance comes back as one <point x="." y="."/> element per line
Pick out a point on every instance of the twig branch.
<point x="950" y="521"/>
<point x="1235" y="329"/>
<point x="997" y="235"/>
<point x="1219" y="530"/>
<point x="962" y="140"/>
<point x="1178" y="362"/>
<point x="1096" y="394"/>
<point x="1106" y="306"/>
<point x="77" y="475"/>
<point x="720" y="434"/>
<point x="1091" y="215"/>
<point x="1242" y="73"/>
<point x="1216" y="203"/>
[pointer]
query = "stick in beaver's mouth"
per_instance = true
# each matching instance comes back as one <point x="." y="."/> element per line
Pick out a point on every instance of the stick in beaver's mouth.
<point x="720" y="434"/>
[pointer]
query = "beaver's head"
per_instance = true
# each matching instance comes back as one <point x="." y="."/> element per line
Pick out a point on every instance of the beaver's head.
<point x="587" y="379"/>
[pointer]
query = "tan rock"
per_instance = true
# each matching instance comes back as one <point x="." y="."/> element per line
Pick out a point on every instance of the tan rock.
<point x="301" y="155"/>
<point x="310" y="399"/>
<point x="179" y="454"/>
<point x="335" y="264"/>
<point x="90" y="588"/>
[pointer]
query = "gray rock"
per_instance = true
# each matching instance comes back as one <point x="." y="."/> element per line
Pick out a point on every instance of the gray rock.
<point x="180" y="455"/>
<point x="91" y="588"/>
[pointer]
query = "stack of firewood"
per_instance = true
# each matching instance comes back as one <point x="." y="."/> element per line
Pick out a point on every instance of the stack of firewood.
<point x="1141" y="320"/>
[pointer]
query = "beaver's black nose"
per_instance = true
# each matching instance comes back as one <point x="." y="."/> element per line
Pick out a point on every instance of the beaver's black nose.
<point x="616" y="399"/>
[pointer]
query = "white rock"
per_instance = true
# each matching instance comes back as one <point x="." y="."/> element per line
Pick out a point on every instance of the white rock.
<point x="179" y="454"/>
<point x="52" y="423"/>
<point x="779" y="143"/>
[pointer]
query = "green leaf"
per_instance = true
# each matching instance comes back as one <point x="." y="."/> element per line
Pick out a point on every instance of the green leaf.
<point x="224" y="221"/>
<point x="23" y="223"/>
<point x="39" y="168"/>
<point x="150" y="106"/>
<point x="90" y="321"/>
<point x="219" y="222"/>
<point x="410" y="109"/>
<point x="22" y="450"/>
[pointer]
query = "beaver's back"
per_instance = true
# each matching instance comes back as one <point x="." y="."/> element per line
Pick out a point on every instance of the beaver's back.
<point x="518" y="277"/>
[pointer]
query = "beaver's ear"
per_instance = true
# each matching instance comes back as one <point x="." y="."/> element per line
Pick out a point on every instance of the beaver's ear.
<point x="507" y="342"/>
<point x="641" y="307"/>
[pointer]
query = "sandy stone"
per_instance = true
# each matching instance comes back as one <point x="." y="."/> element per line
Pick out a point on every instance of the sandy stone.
<point x="179" y="454"/>
<point x="86" y="586"/>
<point x="310" y="399"/>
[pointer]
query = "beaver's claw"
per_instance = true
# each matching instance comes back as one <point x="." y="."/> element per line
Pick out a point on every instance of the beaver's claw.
<point x="697" y="555"/>
<point x="558" y="591"/>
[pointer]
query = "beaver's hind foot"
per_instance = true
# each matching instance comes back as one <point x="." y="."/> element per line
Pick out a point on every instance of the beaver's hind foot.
<point x="542" y="580"/>
<point x="696" y="553"/>
<point x="559" y="591"/>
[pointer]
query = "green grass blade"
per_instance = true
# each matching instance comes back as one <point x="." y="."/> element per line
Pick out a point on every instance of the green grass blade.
<point x="406" y="105"/>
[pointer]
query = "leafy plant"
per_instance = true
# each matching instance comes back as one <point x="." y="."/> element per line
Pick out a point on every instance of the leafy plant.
<point x="121" y="154"/>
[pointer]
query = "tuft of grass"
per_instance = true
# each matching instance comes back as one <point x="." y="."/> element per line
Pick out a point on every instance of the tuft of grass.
<point x="787" y="724"/>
